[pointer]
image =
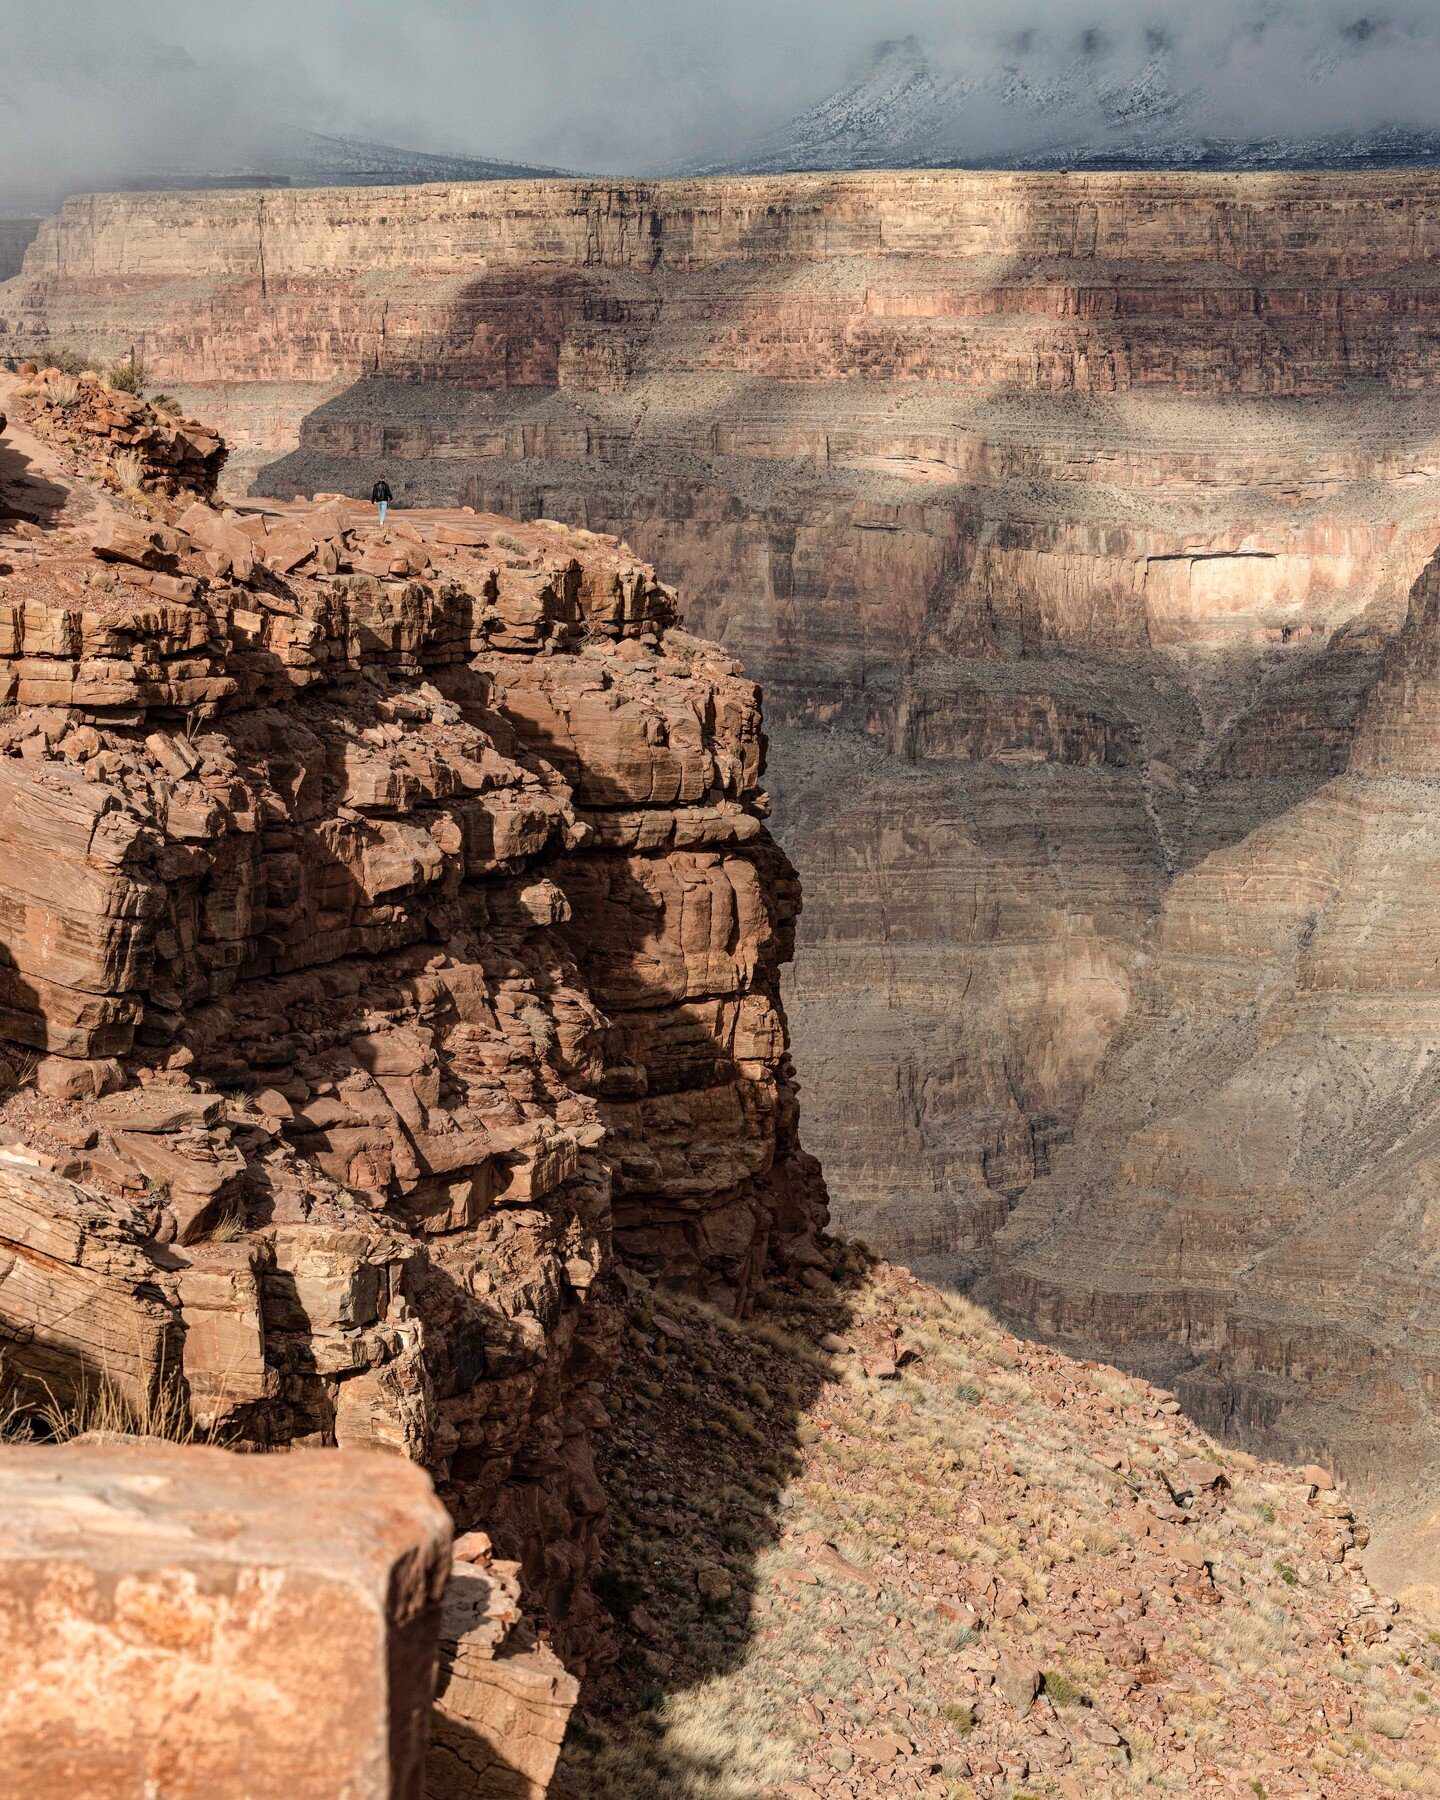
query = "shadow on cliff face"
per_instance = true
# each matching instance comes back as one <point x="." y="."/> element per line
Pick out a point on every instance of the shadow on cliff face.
<point x="709" y="1429"/>
<point x="1228" y="742"/>
<point x="873" y="767"/>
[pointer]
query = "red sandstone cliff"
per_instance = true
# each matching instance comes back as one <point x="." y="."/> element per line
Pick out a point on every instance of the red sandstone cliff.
<point x="391" y="929"/>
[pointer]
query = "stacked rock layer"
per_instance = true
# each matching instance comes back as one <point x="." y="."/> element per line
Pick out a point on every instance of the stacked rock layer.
<point x="390" y="929"/>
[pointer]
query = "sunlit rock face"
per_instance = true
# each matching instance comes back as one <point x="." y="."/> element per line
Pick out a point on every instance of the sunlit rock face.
<point x="1069" y="522"/>
<point x="392" y="941"/>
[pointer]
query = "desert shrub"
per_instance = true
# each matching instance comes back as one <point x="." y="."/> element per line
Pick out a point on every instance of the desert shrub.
<point x="66" y="358"/>
<point x="1061" y="1691"/>
<point x="128" y="377"/>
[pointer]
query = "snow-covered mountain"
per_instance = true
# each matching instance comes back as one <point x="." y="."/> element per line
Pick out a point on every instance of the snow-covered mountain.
<point x="1097" y="109"/>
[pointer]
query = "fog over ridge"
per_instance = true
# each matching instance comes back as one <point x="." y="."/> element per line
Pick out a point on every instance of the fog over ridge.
<point x="92" y="93"/>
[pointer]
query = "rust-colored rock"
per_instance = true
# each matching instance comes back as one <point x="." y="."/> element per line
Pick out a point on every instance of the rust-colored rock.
<point x="181" y="1621"/>
<point x="165" y="454"/>
<point x="382" y="949"/>
<point x="503" y="1700"/>
<point x="1070" y="521"/>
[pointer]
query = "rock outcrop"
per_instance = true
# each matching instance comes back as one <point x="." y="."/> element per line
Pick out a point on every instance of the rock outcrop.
<point x="1067" y="520"/>
<point x="142" y="447"/>
<point x="180" y="1621"/>
<point x="503" y="1700"/>
<point x="390" y="929"/>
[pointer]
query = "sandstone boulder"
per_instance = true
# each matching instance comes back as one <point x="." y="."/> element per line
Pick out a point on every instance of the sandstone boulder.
<point x="1019" y="1681"/>
<point x="185" y="1622"/>
<point x="125" y="540"/>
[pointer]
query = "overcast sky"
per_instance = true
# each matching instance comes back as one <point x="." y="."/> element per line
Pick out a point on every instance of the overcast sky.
<point x="91" y="89"/>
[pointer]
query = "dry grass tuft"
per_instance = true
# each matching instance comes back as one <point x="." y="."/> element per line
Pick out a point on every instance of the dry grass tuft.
<point x="127" y="377"/>
<point x="32" y="1413"/>
<point x="129" y="471"/>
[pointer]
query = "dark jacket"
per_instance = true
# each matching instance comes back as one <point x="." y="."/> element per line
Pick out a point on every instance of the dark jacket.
<point x="381" y="491"/>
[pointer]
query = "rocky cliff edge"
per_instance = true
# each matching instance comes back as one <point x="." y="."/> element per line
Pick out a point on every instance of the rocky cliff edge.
<point x="391" y="931"/>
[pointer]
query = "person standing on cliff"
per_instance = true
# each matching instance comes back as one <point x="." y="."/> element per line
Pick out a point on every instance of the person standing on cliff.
<point x="382" y="497"/>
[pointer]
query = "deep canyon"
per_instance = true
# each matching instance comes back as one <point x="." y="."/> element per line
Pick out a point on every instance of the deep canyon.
<point x="1078" y="528"/>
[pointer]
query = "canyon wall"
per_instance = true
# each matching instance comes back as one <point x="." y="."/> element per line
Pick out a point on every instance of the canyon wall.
<point x="391" y="933"/>
<point x="1068" y="521"/>
<point x="1251" y="1203"/>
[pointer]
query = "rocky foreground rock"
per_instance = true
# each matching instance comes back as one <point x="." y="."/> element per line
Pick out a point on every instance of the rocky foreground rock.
<point x="180" y="1621"/>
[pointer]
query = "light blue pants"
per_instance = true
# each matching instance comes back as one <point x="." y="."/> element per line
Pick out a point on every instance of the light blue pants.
<point x="383" y="506"/>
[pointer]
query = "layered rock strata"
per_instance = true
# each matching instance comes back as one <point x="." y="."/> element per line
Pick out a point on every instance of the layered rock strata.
<point x="390" y="928"/>
<point x="183" y="1622"/>
<point x="1066" y="518"/>
<point x="1250" y="1207"/>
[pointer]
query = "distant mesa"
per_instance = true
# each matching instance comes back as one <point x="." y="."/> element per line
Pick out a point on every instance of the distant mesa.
<point x="300" y="158"/>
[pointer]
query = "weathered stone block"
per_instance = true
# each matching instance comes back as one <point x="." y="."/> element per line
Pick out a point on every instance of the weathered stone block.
<point x="87" y="1300"/>
<point x="504" y="1699"/>
<point x="183" y="1621"/>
